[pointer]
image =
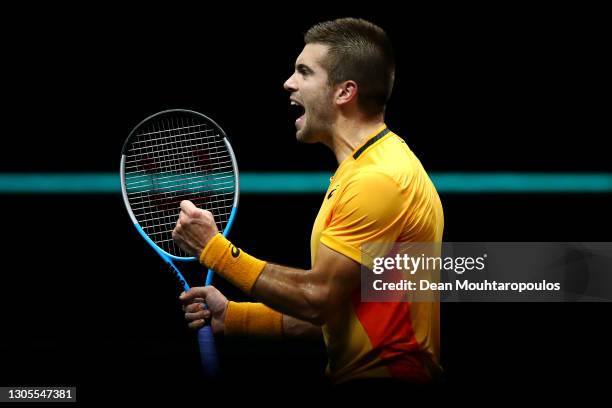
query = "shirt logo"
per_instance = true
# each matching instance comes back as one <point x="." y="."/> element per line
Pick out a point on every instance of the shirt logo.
<point x="332" y="192"/>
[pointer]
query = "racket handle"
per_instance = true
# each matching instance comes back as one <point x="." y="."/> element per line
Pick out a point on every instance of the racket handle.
<point x="208" y="352"/>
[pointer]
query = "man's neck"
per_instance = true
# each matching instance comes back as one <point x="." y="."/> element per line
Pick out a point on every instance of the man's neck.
<point x="347" y="135"/>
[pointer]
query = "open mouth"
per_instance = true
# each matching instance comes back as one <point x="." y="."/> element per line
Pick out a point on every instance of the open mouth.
<point x="298" y="110"/>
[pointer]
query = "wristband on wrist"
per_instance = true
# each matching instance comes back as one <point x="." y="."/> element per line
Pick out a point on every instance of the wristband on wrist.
<point x="235" y="265"/>
<point x="252" y="319"/>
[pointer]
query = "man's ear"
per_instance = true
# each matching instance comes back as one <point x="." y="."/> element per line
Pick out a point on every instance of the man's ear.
<point x="346" y="92"/>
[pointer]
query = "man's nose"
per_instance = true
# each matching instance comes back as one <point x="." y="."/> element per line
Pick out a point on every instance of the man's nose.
<point x="289" y="84"/>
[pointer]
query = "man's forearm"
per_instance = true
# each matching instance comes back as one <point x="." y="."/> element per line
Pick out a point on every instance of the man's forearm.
<point x="296" y="328"/>
<point x="259" y="320"/>
<point x="294" y="292"/>
<point x="291" y="291"/>
<point x="310" y="295"/>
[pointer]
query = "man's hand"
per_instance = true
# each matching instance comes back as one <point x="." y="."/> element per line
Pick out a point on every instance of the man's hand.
<point x="195" y="312"/>
<point x="194" y="228"/>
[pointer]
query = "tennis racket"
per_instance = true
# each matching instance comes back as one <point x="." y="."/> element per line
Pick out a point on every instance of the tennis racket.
<point x="172" y="156"/>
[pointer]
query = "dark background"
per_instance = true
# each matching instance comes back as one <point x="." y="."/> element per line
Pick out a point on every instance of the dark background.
<point x="85" y="302"/>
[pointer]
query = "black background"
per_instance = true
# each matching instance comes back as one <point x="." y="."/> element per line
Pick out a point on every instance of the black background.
<point x="85" y="302"/>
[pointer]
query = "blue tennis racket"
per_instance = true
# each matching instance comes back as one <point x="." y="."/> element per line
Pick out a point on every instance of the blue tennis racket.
<point x="172" y="156"/>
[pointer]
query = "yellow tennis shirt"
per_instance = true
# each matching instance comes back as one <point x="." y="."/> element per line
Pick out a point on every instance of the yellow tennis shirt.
<point x="380" y="193"/>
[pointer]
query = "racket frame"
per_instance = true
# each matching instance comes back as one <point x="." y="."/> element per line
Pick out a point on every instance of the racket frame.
<point x="205" y="334"/>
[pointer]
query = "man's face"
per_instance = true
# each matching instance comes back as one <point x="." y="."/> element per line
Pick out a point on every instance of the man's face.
<point x="311" y="94"/>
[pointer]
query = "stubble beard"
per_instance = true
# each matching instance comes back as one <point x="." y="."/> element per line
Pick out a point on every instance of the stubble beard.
<point x="317" y="125"/>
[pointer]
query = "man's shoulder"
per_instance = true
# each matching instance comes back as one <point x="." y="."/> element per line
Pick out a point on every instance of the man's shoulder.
<point x="374" y="182"/>
<point x="398" y="170"/>
<point x="390" y="159"/>
<point x="373" y="173"/>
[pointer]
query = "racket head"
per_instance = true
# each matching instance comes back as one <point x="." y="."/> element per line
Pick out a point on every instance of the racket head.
<point x="171" y="156"/>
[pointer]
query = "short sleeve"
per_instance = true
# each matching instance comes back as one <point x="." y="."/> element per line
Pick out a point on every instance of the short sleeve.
<point x="369" y="212"/>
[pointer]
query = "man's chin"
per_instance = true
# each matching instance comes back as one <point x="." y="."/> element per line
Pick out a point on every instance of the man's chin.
<point x="300" y="134"/>
<point x="303" y="136"/>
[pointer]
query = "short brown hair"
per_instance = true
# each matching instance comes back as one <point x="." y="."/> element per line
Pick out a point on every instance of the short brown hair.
<point x="358" y="51"/>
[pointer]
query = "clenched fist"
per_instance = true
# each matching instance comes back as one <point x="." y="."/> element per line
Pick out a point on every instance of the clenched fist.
<point x="194" y="228"/>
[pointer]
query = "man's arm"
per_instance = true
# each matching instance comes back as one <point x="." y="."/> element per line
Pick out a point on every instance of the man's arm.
<point x="297" y="328"/>
<point x="306" y="298"/>
<point x="196" y="314"/>
<point x="309" y="295"/>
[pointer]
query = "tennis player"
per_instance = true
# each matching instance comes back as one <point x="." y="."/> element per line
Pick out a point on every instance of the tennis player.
<point x="380" y="192"/>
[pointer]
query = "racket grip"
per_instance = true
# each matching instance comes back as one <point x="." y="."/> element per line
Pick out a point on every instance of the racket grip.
<point x="208" y="352"/>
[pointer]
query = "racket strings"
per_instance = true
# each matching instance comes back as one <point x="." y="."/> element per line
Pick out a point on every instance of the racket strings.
<point x="175" y="159"/>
